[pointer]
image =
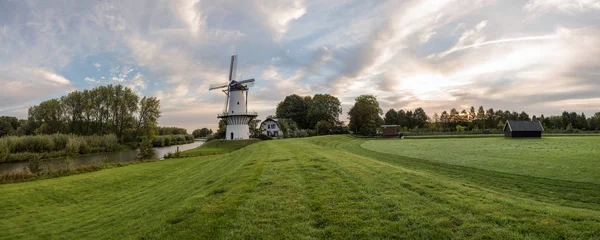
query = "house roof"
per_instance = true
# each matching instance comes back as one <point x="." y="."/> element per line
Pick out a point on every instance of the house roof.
<point x="524" y="126"/>
<point x="272" y="119"/>
<point x="276" y="120"/>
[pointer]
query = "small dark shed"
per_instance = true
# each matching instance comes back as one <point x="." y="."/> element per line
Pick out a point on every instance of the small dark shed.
<point x="388" y="131"/>
<point x="523" y="129"/>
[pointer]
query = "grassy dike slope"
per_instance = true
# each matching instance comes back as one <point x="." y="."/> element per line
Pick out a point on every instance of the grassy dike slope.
<point x="323" y="187"/>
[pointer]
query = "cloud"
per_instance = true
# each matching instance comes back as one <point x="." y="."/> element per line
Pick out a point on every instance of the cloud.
<point x="23" y="87"/>
<point x="281" y="13"/>
<point x="97" y="66"/>
<point x="433" y="54"/>
<point x="91" y="80"/>
<point x="571" y="6"/>
<point x="480" y="43"/>
<point x="51" y="77"/>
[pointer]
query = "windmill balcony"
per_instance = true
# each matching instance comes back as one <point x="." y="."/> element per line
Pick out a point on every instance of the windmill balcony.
<point x="227" y="114"/>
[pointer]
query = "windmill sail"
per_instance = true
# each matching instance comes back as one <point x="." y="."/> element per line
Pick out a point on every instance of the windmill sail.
<point x="217" y="86"/>
<point x="233" y="68"/>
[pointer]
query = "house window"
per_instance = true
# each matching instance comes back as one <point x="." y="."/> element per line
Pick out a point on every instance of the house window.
<point x="231" y="111"/>
<point x="238" y="103"/>
<point x="268" y="126"/>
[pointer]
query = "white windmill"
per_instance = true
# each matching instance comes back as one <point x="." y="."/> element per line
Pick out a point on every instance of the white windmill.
<point x="236" y="105"/>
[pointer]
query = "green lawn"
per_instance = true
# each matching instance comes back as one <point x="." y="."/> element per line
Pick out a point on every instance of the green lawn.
<point x="312" y="188"/>
<point x="217" y="147"/>
<point x="567" y="158"/>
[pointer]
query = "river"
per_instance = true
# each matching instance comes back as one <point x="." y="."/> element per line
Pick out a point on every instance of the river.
<point x="96" y="158"/>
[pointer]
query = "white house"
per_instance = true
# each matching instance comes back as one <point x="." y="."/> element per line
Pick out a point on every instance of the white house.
<point x="270" y="127"/>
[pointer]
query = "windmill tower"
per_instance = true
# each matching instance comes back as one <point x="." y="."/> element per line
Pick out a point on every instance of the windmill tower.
<point x="236" y="105"/>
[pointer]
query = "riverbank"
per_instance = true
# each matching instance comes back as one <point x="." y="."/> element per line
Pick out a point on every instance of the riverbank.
<point x="25" y="148"/>
<point x="50" y="168"/>
<point x="96" y="162"/>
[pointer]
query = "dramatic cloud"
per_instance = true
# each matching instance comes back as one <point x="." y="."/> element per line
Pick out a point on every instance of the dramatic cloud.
<point x="537" y="56"/>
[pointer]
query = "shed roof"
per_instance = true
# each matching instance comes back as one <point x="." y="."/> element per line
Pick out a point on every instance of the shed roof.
<point x="524" y="126"/>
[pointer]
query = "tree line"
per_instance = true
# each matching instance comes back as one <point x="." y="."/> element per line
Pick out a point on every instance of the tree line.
<point x="111" y="109"/>
<point x="202" y="132"/>
<point x="495" y="119"/>
<point x="365" y="118"/>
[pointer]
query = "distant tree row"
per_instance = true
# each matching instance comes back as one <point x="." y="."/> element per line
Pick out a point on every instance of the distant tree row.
<point x="471" y="119"/>
<point x="202" y="133"/>
<point x="365" y="119"/>
<point x="100" y="111"/>
<point x="172" y="131"/>
<point x="410" y="119"/>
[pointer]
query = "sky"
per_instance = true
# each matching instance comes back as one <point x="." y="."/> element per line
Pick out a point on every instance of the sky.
<point x="542" y="57"/>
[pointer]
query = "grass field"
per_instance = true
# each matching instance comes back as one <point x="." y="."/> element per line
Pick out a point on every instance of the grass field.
<point x="217" y="147"/>
<point x="566" y="158"/>
<point x="320" y="187"/>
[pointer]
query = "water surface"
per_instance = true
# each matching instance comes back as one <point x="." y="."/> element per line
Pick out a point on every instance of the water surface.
<point x="96" y="158"/>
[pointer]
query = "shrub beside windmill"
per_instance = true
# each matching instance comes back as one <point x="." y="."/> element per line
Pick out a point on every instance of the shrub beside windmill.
<point x="236" y="105"/>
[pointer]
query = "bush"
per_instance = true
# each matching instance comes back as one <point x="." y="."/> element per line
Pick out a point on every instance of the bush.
<point x="180" y="139"/>
<point x="60" y="141"/>
<point x="110" y="143"/>
<point x="4" y="151"/>
<point x="323" y="127"/>
<point x="264" y="137"/>
<point x="73" y="146"/>
<point x="21" y="157"/>
<point x="35" y="165"/>
<point x="189" y="138"/>
<point x="146" y="150"/>
<point x="159" y="141"/>
<point x="300" y="133"/>
<point x="83" y="146"/>
<point x="212" y="137"/>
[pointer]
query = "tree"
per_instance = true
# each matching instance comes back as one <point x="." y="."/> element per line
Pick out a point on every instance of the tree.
<point x="524" y="116"/>
<point x="391" y="117"/>
<point x="409" y="119"/>
<point x="254" y="128"/>
<point x="403" y="121"/>
<point x="220" y="134"/>
<point x="365" y="115"/>
<point x="436" y="118"/>
<point x="454" y="115"/>
<point x="295" y="108"/>
<point x="323" y="107"/>
<point x="5" y="128"/>
<point x="49" y="115"/>
<point x="13" y="121"/>
<point x="445" y="119"/>
<point x="148" y="117"/>
<point x="481" y="117"/>
<point x="420" y="118"/>
<point x="594" y="121"/>
<point x="147" y="125"/>
<point x="490" y="121"/>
